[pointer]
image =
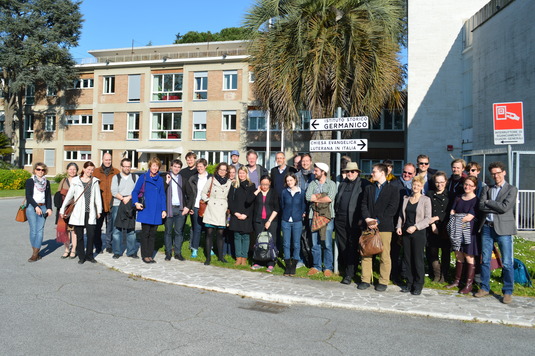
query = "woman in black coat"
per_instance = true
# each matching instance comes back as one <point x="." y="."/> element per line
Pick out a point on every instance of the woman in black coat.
<point x="240" y="200"/>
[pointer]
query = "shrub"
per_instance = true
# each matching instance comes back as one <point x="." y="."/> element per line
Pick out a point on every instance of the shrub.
<point x="6" y="165"/>
<point x="13" y="179"/>
<point x="58" y="177"/>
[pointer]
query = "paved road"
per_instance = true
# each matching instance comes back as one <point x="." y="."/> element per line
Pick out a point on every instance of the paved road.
<point x="56" y="306"/>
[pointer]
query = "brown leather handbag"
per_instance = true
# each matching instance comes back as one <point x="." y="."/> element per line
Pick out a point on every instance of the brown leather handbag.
<point x="21" y="213"/>
<point x="202" y="203"/>
<point x="370" y="243"/>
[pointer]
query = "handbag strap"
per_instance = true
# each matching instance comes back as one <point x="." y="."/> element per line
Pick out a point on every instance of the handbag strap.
<point x="210" y="190"/>
<point x="88" y="185"/>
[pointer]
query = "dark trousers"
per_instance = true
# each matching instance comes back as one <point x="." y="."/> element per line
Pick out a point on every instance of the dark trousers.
<point x="413" y="258"/>
<point x="147" y="239"/>
<point x="101" y="244"/>
<point x="436" y="243"/>
<point x="347" y="242"/>
<point x="86" y="254"/>
<point x="174" y="224"/>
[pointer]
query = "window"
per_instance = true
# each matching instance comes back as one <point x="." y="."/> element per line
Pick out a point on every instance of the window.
<point x="50" y="157"/>
<point x="109" y="85"/>
<point x="199" y="125"/>
<point x="30" y="94"/>
<point x="2" y="120"/>
<point x="107" y="121"/>
<point x="28" y="126"/>
<point x="28" y="157"/>
<point x="230" y="80"/>
<point x="166" y="126"/>
<point x="390" y="120"/>
<point x="79" y="119"/>
<point x="50" y="123"/>
<point x="77" y="155"/>
<point x="252" y="77"/>
<point x="201" y="86"/>
<point x="229" y="121"/>
<point x="305" y="116"/>
<point x="256" y="120"/>
<point x="132" y="129"/>
<point x="84" y="83"/>
<point x="132" y="154"/>
<point x="167" y="87"/>
<point x="214" y="157"/>
<point x="51" y="91"/>
<point x="134" y="88"/>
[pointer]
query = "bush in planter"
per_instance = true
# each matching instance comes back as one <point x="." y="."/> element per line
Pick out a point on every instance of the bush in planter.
<point x="13" y="178"/>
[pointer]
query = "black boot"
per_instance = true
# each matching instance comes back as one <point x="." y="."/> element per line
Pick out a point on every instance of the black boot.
<point x="293" y="267"/>
<point x="458" y="274"/>
<point x="287" y="267"/>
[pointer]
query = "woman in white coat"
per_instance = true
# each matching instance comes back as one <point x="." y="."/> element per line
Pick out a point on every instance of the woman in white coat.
<point x="215" y="193"/>
<point x="87" y="210"/>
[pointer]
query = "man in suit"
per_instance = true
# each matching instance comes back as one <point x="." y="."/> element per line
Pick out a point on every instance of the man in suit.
<point x="498" y="203"/>
<point x="426" y="172"/>
<point x="348" y="219"/>
<point x="380" y="203"/>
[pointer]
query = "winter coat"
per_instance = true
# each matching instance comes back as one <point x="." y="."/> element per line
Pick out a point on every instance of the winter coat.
<point x="95" y="205"/>
<point x="105" y="186"/>
<point x="126" y="216"/>
<point x="155" y="201"/>
<point x="216" y="210"/>
<point x="240" y="200"/>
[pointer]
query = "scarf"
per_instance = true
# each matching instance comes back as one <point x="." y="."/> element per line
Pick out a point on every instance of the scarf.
<point x="221" y="180"/>
<point x="40" y="185"/>
<point x="306" y="172"/>
<point x="107" y="170"/>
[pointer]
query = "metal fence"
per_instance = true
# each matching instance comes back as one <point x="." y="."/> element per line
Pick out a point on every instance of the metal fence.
<point x="525" y="210"/>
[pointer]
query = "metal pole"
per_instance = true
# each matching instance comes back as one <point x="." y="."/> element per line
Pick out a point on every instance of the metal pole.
<point x="282" y="139"/>
<point x="268" y="143"/>
<point x="509" y="164"/>
<point x="338" y="171"/>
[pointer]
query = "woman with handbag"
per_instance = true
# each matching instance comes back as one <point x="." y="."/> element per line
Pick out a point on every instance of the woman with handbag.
<point x="413" y="221"/>
<point x="266" y="209"/>
<point x="39" y="207"/>
<point x="193" y="192"/>
<point x="215" y="194"/>
<point x="65" y="232"/>
<point x="150" y="200"/>
<point x="240" y="201"/>
<point x="84" y="193"/>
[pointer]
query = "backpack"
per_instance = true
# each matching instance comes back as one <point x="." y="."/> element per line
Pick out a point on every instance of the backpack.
<point x="134" y="178"/>
<point x="264" y="248"/>
<point x="521" y="273"/>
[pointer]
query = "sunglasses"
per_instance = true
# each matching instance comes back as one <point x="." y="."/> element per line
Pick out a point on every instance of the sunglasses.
<point x="423" y="163"/>
<point x="408" y="173"/>
<point x="473" y="170"/>
<point x="39" y="169"/>
<point x="352" y="171"/>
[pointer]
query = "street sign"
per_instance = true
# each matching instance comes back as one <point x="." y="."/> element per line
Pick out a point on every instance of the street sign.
<point x="339" y="123"/>
<point x="508" y="123"/>
<point x="359" y="145"/>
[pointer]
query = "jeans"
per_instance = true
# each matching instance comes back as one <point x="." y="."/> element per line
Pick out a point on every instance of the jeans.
<point x="241" y="244"/>
<point x="326" y="246"/>
<point x="118" y="241"/>
<point x="291" y="237"/>
<point x="176" y="224"/>
<point x="197" y="226"/>
<point x="37" y="225"/>
<point x="505" y="243"/>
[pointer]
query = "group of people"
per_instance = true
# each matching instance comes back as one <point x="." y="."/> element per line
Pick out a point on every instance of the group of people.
<point x="422" y="213"/>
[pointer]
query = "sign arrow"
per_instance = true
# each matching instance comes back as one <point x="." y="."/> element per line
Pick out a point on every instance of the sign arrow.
<point x="362" y="144"/>
<point x="509" y="142"/>
<point x="314" y="124"/>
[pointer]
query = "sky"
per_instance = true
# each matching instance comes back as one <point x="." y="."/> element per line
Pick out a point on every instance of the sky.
<point x="115" y="23"/>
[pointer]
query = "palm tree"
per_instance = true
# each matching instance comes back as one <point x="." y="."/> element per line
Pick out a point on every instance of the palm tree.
<point x="318" y="55"/>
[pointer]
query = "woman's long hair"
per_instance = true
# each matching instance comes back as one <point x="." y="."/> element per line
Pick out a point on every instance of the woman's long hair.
<point x="237" y="182"/>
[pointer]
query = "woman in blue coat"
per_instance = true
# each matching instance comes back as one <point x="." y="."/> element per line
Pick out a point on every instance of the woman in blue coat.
<point x="293" y="208"/>
<point x="151" y="213"/>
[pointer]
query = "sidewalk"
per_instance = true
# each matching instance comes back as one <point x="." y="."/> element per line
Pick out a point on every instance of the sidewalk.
<point x="292" y="290"/>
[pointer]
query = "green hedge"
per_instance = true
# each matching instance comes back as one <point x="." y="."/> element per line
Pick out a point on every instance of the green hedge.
<point x="13" y="178"/>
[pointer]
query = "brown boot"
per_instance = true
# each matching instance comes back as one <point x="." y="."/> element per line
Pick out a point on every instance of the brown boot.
<point x="436" y="271"/>
<point x="244" y="261"/>
<point x="471" y="271"/>
<point x="458" y="274"/>
<point x="238" y="261"/>
<point x="35" y="255"/>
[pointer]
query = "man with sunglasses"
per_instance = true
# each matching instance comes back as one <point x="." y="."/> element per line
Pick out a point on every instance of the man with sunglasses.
<point x="426" y="172"/>
<point x="348" y="219"/>
<point x="473" y="169"/>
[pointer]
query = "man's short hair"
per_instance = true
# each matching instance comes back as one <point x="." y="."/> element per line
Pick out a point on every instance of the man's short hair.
<point x="202" y="161"/>
<point x="306" y="155"/>
<point x="191" y="154"/>
<point x="497" y="164"/>
<point x="126" y="159"/>
<point x="459" y="160"/>
<point x="176" y="161"/>
<point x="252" y="152"/>
<point x="409" y="164"/>
<point x="381" y="167"/>
<point x="422" y="157"/>
<point x="475" y="165"/>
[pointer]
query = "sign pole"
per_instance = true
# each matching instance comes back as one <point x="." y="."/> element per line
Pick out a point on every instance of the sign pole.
<point x="509" y="164"/>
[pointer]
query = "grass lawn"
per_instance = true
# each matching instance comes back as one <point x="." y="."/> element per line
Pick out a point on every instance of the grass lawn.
<point x="524" y="250"/>
<point x="20" y="192"/>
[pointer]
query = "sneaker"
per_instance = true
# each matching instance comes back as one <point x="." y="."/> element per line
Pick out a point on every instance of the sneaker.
<point x="116" y="256"/>
<point x="299" y="265"/>
<point x="380" y="287"/>
<point x="481" y="293"/>
<point x="194" y="253"/>
<point x="312" y="271"/>
<point x="270" y="269"/>
<point x="255" y="266"/>
<point x="363" y="285"/>
<point x="507" y="298"/>
<point x="328" y="273"/>
<point x="212" y="253"/>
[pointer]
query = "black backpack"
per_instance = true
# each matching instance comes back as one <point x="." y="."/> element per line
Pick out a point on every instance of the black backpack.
<point x="264" y="248"/>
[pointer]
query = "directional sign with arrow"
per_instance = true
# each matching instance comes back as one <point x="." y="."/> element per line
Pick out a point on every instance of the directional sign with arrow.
<point x="339" y="123"/>
<point x="354" y="145"/>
